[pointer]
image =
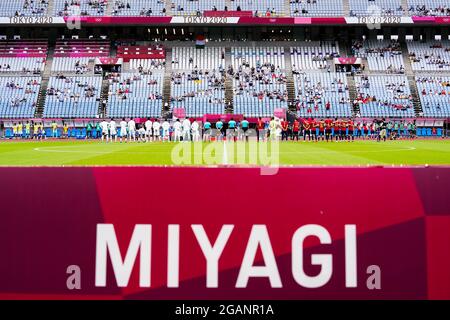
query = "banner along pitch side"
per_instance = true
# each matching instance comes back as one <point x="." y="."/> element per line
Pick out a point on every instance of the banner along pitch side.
<point x="225" y="233"/>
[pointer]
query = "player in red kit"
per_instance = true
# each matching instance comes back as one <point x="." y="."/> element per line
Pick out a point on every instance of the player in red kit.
<point x="321" y="129"/>
<point x="306" y="129"/>
<point x="313" y="125"/>
<point x="295" y="129"/>
<point x="337" y="129"/>
<point x="284" y="130"/>
<point x="351" y="128"/>
<point x="328" y="126"/>
<point x="343" y="131"/>
<point x="260" y="129"/>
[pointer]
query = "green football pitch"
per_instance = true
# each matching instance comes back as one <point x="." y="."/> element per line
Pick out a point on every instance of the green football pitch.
<point x="95" y="153"/>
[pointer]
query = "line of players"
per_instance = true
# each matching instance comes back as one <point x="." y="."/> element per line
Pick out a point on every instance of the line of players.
<point x="187" y="130"/>
<point x="36" y="130"/>
<point x="340" y="129"/>
<point x="150" y="130"/>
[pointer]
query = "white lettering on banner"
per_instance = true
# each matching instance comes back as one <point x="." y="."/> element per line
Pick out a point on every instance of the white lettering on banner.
<point x="32" y="20"/>
<point x="212" y="253"/>
<point x="259" y="237"/>
<point x="324" y="260"/>
<point x="107" y="242"/>
<point x="212" y="250"/>
<point x="204" y="20"/>
<point x="379" y="20"/>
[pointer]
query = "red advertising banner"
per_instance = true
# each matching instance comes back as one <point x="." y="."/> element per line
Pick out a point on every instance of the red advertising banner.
<point x="266" y="20"/>
<point x="179" y="113"/>
<point x="227" y="13"/>
<point x="236" y="17"/>
<point x="334" y="233"/>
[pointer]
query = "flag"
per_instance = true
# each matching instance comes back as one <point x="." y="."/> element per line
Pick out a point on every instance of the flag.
<point x="200" y="42"/>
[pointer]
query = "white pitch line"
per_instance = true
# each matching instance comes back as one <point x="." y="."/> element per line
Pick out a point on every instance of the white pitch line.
<point x="225" y="156"/>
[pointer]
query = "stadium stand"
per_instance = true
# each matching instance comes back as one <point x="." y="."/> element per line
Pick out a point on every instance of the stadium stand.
<point x="257" y="56"/>
<point x="260" y="99"/>
<point x="199" y="92"/>
<point x="143" y="58"/>
<point x="198" y="80"/>
<point x="144" y="65"/>
<point x="259" y="80"/>
<point x="381" y="55"/>
<point x="430" y="56"/>
<point x="197" y="7"/>
<point x="434" y="95"/>
<point x="310" y="8"/>
<point x="75" y="55"/>
<point x="251" y="80"/>
<point x="72" y="97"/>
<point x="23" y="8"/>
<point x="313" y="55"/>
<point x="139" y="8"/>
<point x="265" y="8"/>
<point x="322" y="94"/>
<point x="135" y="95"/>
<point x="79" y="7"/>
<point x="376" y="8"/>
<point x="262" y="8"/>
<point x="24" y="65"/>
<point x="67" y="64"/>
<point x="19" y="96"/>
<point x="429" y="8"/>
<point x="25" y="56"/>
<point x="384" y="96"/>
<point x="188" y="58"/>
<point x="82" y="48"/>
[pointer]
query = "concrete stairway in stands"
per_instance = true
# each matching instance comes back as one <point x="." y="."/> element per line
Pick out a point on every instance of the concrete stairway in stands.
<point x="287" y="8"/>
<point x="415" y="95"/>
<point x="290" y="84"/>
<point x="39" y="111"/>
<point x="352" y="93"/>
<point x="109" y="8"/>
<point x="167" y="82"/>
<point x="346" y="7"/>
<point x="51" y="5"/>
<point x="405" y="6"/>
<point x="229" y="4"/>
<point x="406" y="60"/>
<point x="411" y="80"/>
<point x="168" y="6"/>
<point x="229" y="90"/>
<point x="103" y="105"/>
<point x="44" y="83"/>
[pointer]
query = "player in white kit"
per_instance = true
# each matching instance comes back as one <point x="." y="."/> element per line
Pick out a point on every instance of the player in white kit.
<point x="156" y="130"/>
<point x="186" y="130"/>
<point x="123" y="130"/>
<point x="148" y="130"/>
<point x="105" y="130"/>
<point x="177" y="131"/>
<point x="113" y="130"/>
<point x="132" y="130"/>
<point x="166" y="127"/>
<point x="195" y="131"/>
<point x="141" y="134"/>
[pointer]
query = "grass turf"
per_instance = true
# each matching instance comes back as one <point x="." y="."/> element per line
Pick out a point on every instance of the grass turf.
<point x="67" y="153"/>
